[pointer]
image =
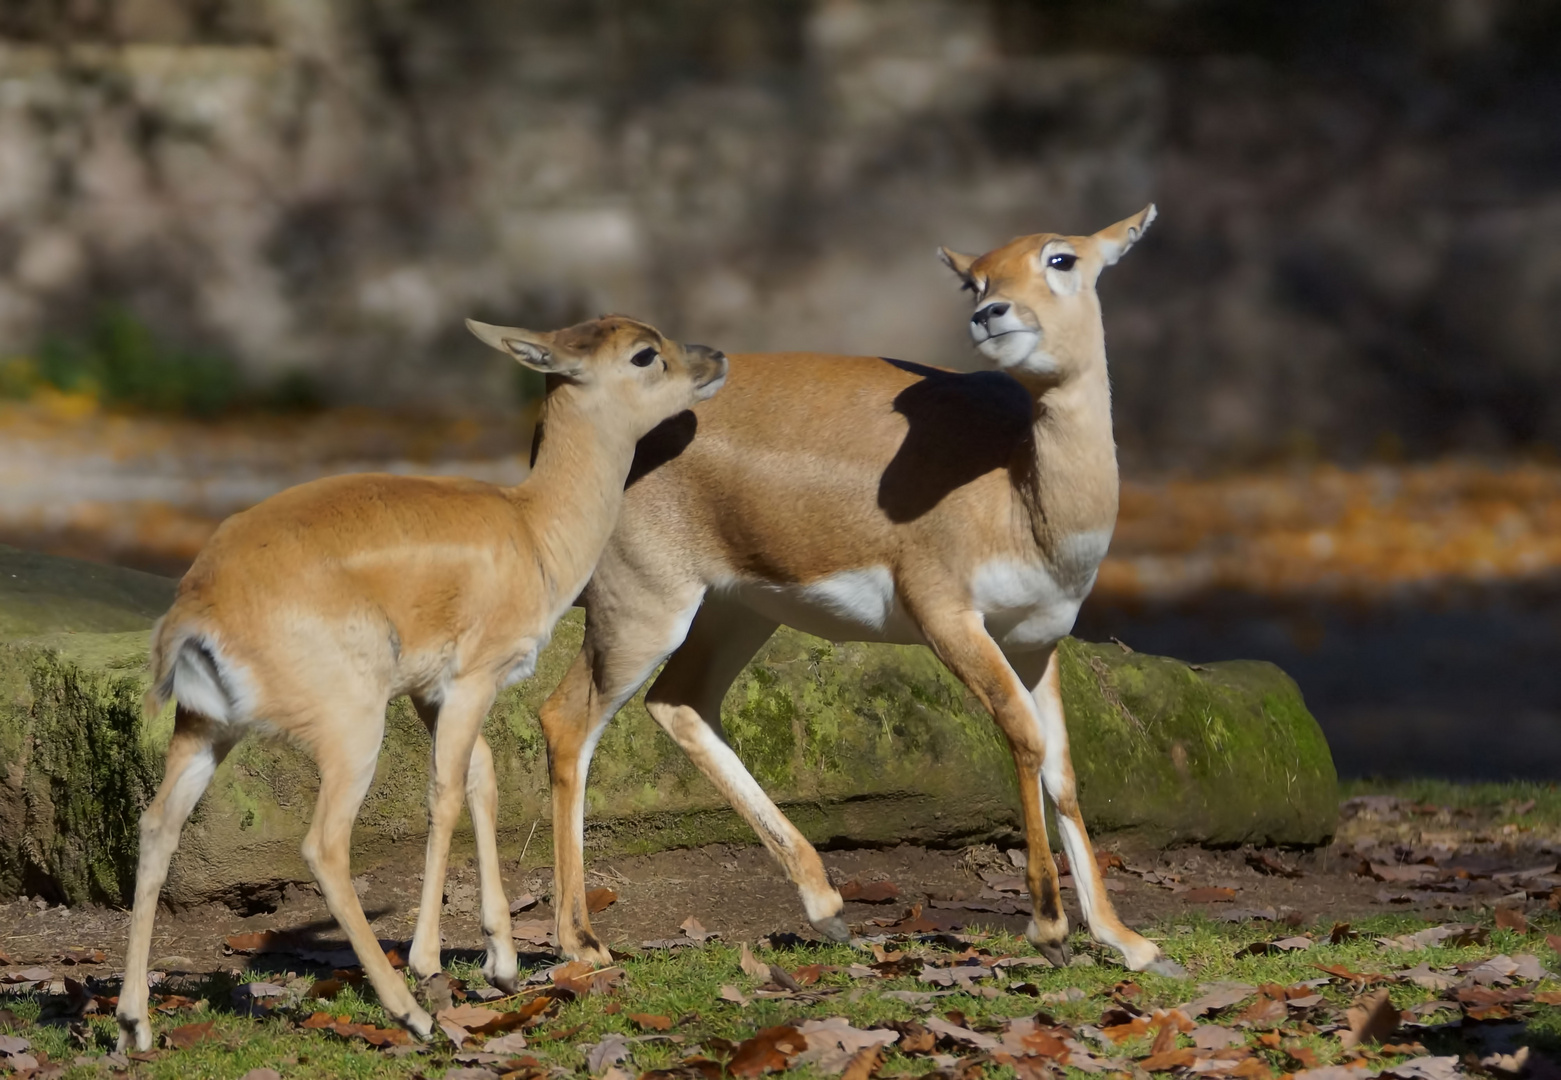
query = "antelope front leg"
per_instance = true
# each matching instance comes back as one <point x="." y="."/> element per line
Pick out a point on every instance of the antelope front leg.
<point x="461" y="714"/>
<point x="1138" y="952"/>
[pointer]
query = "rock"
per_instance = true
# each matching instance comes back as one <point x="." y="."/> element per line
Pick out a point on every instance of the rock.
<point x="875" y="743"/>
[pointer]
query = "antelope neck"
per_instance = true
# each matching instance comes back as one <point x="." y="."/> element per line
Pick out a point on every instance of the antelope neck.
<point x="569" y="504"/>
<point x="1067" y="480"/>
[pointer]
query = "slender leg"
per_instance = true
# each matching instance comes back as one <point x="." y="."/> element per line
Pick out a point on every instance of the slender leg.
<point x="960" y="639"/>
<point x="197" y="748"/>
<point x="623" y="644"/>
<point x="686" y="702"/>
<point x="1042" y="671"/>
<point x="461" y="714"/>
<point x="499" y="965"/>
<point x="346" y="748"/>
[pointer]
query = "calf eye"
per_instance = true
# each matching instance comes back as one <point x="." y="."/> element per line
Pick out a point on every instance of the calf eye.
<point x="1062" y="262"/>
<point x="644" y="358"/>
<point x="969" y="286"/>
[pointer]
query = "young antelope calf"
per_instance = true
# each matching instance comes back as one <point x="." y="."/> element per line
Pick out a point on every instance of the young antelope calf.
<point x="307" y="613"/>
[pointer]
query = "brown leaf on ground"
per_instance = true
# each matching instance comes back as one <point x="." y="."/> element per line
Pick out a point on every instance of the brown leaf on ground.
<point x="1264" y="863"/>
<point x="1217" y="996"/>
<point x="521" y="903"/>
<point x="734" y="995"/>
<point x="751" y="964"/>
<point x="1216" y="1037"/>
<point x="6" y="958"/>
<point x="863" y="1064"/>
<point x="914" y="922"/>
<point x="1213" y="894"/>
<point x="961" y="1034"/>
<point x="532" y="931"/>
<point x="808" y="974"/>
<point x="1264" y="1010"/>
<point x="1132" y="1029"/>
<point x="1164" y="1040"/>
<point x="255" y="943"/>
<point x="1511" y="918"/>
<point x="1303" y="1056"/>
<point x="914" y="1038"/>
<point x="182" y="1038"/>
<point x="695" y="930"/>
<point x="470" y="1017"/>
<point x="771" y="1050"/>
<point x="1549" y="997"/>
<point x="1373" y="1020"/>
<point x="782" y="978"/>
<point x="323" y="1020"/>
<point x="1170" y="1059"/>
<point x="582" y="983"/>
<point x="325" y="989"/>
<point x="874" y="892"/>
<point x="82" y="956"/>
<point x="651" y="1021"/>
<point x="600" y="900"/>
<point x="1341" y="933"/>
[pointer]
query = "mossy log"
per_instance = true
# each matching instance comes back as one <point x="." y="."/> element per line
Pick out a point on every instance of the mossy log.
<point x="862" y="744"/>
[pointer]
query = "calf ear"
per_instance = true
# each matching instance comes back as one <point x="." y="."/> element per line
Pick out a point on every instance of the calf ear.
<point x="1113" y="241"/>
<point x="535" y="350"/>
<point x="956" y="262"/>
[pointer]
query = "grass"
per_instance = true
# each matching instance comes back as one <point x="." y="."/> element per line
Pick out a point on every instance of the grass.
<point x="1519" y="802"/>
<point x="685" y="986"/>
<point x="119" y="362"/>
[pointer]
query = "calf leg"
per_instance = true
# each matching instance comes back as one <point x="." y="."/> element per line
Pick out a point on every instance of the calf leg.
<point x="197" y="748"/>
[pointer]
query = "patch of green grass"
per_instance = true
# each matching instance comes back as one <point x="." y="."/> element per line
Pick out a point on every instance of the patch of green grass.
<point x="685" y="986"/>
<point x="121" y="363"/>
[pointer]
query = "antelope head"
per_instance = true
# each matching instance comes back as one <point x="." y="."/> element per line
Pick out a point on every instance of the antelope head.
<point x="646" y="376"/>
<point x="1037" y="313"/>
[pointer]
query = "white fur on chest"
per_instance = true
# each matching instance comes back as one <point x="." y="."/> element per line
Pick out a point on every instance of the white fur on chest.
<point x="1029" y="604"/>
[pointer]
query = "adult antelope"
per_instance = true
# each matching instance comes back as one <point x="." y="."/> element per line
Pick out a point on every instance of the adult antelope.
<point x="871" y="500"/>
<point x="307" y="613"/>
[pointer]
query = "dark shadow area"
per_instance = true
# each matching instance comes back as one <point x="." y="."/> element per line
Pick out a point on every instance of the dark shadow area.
<point x="1465" y="687"/>
<point x="665" y="442"/>
<point x="962" y="426"/>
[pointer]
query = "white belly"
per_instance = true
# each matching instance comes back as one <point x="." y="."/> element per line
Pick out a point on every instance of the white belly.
<point x="853" y="605"/>
<point x="1026" y="605"/>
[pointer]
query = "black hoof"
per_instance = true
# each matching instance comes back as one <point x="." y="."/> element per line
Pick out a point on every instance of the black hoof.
<point x="1057" y="953"/>
<point x="834" y="928"/>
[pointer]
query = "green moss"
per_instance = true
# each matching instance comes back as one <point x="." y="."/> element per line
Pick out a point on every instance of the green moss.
<point x="875" y="744"/>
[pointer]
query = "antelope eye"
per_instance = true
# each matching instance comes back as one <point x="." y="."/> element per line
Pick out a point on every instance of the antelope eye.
<point x="969" y="286"/>
<point x="1062" y="262"/>
<point x="644" y="358"/>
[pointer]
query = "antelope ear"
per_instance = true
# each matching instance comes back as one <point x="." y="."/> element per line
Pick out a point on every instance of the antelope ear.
<point x="1113" y="241"/>
<point x="956" y="262"/>
<point x="537" y="351"/>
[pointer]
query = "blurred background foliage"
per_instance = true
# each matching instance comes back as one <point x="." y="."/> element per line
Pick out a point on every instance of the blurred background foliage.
<point x="1359" y="253"/>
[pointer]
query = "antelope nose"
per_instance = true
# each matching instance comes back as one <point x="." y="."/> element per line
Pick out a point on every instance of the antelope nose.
<point x="991" y="311"/>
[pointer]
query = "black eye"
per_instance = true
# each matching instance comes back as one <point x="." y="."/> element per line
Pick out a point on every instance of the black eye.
<point x="1062" y="262"/>
<point x="644" y="358"/>
<point x="969" y="286"/>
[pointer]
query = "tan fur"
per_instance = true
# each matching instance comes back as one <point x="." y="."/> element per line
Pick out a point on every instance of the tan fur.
<point x="307" y="613"/>
<point x="840" y="475"/>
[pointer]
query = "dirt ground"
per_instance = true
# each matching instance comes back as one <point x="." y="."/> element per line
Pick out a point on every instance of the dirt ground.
<point x="1466" y="865"/>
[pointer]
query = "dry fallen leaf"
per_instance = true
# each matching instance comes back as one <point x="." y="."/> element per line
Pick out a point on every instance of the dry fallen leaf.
<point x="512" y="1043"/>
<point x="325" y="989"/>
<point x="599" y="900"/>
<point x="695" y="930"/>
<point x="1372" y="1021"/>
<point x="771" y="1050"/>
<point x="1209" y="895"/>
<point x="651" y="1021"/>
<point x="470" y="1017"/>
<point x="734" y="995"/>
<point x="752" y="965"/>
<point x="533" y="931"/>
<point x="1264" y="863"/>
<point x="863" y="1064"/>
<point x="1169" y="1059"/>
<point x="521" y="903"/>
<point x="1511" y="918"/>
<point x="254" y="943"/>
<point x="873" y="892"/>
<point x="182" y="1038"/>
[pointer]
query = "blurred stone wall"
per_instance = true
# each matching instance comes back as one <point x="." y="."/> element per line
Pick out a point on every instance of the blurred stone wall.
<point x="1359" y="250"/>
